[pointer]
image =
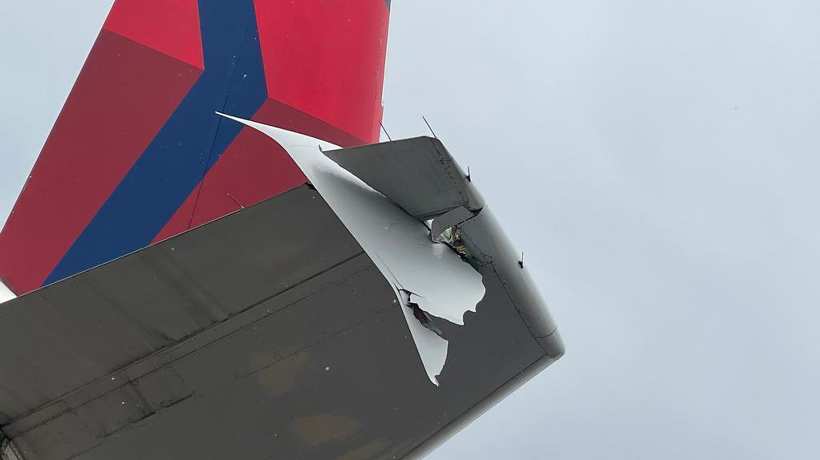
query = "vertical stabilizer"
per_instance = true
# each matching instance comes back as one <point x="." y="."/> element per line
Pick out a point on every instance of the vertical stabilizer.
<point x="138" y="154"/>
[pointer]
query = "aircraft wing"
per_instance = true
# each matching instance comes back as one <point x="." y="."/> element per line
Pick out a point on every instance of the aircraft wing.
<point x="271" y="333"/>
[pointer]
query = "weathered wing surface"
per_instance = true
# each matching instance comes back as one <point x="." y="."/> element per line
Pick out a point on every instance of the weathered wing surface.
<point x="269" y="333"/>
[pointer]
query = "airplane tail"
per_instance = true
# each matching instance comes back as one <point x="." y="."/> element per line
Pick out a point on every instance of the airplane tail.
<point x="138" y="154"/>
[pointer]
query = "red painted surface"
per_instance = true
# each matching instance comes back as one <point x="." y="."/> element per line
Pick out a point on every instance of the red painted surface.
<point x="326" y="59"/>
<point x="275" y="113"/>
<point x="324" y="64"/>
<point x="252" y="170"/>
<point x="111" y="115"/>
<point x="168" y="26"/>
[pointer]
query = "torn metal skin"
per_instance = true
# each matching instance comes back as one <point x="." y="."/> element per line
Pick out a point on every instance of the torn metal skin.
<point x="398" y="242"/>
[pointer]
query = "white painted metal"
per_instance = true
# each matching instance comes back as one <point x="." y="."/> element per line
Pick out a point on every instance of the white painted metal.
<point x="437" y="279"/>
<point x="5" y="293"/>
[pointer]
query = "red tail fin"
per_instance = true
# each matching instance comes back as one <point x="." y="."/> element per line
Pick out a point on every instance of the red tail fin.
<point x="138" y="153"/>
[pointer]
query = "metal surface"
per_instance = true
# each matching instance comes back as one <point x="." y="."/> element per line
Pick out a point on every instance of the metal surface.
<point x="489" y="247"/>
<point x="420" y="175"/>
<point x="5" y="292"/>
<point x="267" y="334"/>
<point x="448" y="221"/>
<point x="417" y="174"/>
<point x="427" y="278"/>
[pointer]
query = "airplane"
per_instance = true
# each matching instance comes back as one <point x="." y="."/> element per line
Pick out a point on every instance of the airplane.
<point x="215" y="257"/>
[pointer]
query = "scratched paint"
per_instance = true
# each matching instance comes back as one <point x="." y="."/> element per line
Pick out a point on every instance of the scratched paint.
<point x="437" y="279"/>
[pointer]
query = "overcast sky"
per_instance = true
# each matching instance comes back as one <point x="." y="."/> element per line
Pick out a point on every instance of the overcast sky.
<point x="658" y="161"/>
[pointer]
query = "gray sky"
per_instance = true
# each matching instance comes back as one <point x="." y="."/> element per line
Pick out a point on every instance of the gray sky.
<point x="658" y="161"/>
